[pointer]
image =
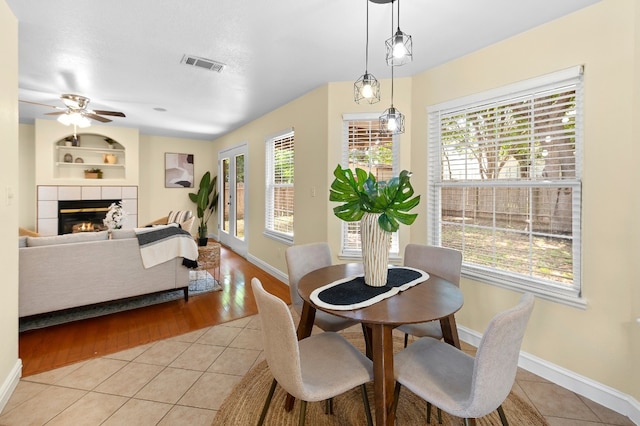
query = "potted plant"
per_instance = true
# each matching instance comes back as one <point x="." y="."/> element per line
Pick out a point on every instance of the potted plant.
<point x="93" y="174"/>
<point x="380" y="207"/>
<point x="206" y="200"/>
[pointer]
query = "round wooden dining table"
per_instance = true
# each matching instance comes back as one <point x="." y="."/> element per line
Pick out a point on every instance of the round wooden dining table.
<point x="432" y="299"/>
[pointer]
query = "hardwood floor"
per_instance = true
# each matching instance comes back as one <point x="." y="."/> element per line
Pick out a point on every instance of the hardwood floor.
<point x="57" y="346"/>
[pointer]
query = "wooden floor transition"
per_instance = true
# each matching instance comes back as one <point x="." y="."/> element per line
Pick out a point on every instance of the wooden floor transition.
<point x="57" y="346"/>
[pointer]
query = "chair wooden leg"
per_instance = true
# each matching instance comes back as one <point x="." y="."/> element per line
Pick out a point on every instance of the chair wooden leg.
<point x="469" y="422"/>
<point x="396" y="397"/>
<point x="267" y="402"/>
<point x="367" y="408"/>
<point x="406" y="339"/>
<point x="503" y="418"/>
<point x="328" y="406"/>
<point x="303" y="412"/>
<point x="429" y="413"/>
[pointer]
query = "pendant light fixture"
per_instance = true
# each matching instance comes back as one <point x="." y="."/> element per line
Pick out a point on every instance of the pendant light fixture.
<point x="367" y="86"/>
<point x="392" y="120"/>
<point x="399" y="45"/>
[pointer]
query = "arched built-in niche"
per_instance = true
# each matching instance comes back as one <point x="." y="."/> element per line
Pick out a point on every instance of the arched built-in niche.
<point x="76" y="154"/>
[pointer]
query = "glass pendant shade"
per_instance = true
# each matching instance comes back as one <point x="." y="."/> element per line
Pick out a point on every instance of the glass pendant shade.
<point x="366" y="88"/>
<point x="74" y="118"/>
<point x="392" y="121"/>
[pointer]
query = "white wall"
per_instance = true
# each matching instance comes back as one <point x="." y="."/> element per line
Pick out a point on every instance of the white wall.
<point x="10" y="365"/>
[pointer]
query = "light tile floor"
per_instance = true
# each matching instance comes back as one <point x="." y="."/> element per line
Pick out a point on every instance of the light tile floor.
<point x="185" y="379"/>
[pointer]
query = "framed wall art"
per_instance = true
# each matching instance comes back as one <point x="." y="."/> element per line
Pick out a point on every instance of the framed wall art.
<point x="178" y="170"/>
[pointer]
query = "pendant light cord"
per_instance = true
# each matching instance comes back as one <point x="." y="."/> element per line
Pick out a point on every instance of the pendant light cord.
<point x="392" y="66"/>
<point x="366" y="56"/>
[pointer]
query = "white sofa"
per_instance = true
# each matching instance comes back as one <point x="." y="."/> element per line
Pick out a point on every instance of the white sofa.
<point x="71" y="270"/>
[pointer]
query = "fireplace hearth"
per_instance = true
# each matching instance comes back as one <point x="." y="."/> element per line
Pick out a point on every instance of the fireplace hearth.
<point x="82" y="215"/>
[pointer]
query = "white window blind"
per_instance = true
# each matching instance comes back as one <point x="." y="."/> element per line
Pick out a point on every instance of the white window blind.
<point x="365" y="148"/>
<point x="505" y="184"/>
<point x="279" y="182"/>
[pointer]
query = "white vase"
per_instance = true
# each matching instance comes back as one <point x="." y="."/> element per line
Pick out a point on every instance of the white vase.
<point x="376" y="243"/>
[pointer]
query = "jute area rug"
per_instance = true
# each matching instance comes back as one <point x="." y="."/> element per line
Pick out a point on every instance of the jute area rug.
<point x="244" y="405"/>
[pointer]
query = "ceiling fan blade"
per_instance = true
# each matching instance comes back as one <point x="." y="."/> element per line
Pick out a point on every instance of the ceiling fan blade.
<point x="41" y="104"/>
<point x="56" y="113"/>
<point x="96" y="117"/>
<point x="113" y="113"/>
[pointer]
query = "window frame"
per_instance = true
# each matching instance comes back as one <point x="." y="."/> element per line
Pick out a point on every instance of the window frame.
<point x="493" y="275"/>
<point x="351" y="253"/>
<point x="271" y="186"/>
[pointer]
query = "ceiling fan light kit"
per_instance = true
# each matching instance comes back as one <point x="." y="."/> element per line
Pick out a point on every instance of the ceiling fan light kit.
<point x="399" y="51"/>
<point x="76" y="113"/>
<point x="74" y="118"/>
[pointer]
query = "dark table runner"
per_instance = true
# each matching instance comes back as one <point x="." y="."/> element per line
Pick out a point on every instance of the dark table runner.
<point x="352" y="292"/>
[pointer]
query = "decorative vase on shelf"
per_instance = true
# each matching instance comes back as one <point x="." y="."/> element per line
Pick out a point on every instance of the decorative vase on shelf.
<point x="375" y="243"/>
<point x="109" y="158"/>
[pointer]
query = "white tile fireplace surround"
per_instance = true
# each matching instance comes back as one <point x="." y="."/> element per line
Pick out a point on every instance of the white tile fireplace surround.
<point x="49" y="195"/>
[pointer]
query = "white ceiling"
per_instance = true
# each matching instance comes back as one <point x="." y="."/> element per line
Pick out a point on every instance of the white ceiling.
<point x="125" y="55"/>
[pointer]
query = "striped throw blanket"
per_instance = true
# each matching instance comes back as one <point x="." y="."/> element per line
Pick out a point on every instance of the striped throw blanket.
<point x="163" y="243"/>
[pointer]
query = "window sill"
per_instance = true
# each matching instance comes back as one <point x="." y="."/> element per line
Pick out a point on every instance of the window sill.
<point x="567" y="298"/>
<point x="394" y="258"/>
<point x="286" y="239"/>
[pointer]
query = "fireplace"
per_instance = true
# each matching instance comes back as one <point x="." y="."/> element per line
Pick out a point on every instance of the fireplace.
<point x="82" y="215"/>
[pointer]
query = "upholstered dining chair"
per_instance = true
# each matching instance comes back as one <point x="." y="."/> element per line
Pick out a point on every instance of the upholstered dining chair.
<point x="441" y="261"/>
<point x="314" y="369"/>
<point x="302" y="259"/>
<point x="459" y="384"/>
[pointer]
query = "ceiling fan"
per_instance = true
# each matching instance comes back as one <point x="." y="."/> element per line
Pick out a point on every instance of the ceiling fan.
<point x="76" y="106"/>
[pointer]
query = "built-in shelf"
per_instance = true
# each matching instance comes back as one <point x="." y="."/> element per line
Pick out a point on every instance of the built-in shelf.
<point x="89" y="165"/>
<point x="89" y="149"/>
<point x="95" y="153"/>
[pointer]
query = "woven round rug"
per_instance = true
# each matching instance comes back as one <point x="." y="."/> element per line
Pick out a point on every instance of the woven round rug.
<point x="244" y="405"/>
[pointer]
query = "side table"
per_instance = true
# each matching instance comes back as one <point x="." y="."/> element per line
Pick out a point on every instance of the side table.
<point x="209" y="258"/>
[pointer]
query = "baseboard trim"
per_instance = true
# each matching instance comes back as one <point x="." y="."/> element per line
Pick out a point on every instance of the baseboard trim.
<point x="268" y="268"/>
<point x="10" y="383"/>
<point x="595" y="391"/>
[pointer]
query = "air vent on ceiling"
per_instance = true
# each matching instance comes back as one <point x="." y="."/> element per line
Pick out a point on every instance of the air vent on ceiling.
<point x="207" y="64"/>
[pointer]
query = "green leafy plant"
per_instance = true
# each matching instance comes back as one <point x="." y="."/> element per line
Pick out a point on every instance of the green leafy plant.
<point x="206" y="200"/>
<point x="361" y="193"/>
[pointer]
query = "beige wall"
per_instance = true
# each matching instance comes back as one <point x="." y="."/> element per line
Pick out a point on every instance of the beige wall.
<point x="596" y="342"/>
<point x="602" y="342"/>
<point x="10" y="366"/>
<point x="634" y="246"/>
<point x="154" y="200"/>
<point x="27" y="186"/>
<point x="308" y="117"/>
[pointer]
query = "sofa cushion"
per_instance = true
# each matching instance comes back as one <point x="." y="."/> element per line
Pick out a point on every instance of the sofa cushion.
<point x="179" y="216"/>
<point x="67" y="238"/>
<point x="118" y="234"/>
<point x="22" y="241"/>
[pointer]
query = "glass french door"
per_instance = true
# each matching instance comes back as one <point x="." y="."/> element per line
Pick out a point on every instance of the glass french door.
<point x="233" y="194"/>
